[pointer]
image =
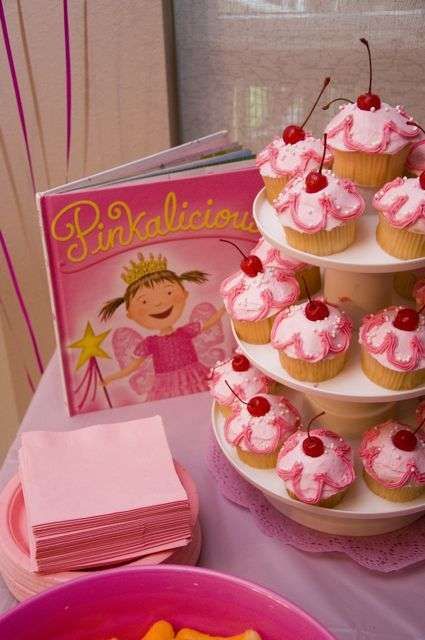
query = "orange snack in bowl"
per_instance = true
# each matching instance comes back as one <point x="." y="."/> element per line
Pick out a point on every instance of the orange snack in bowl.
<point x="191" y="634"/>
<point x="161" y="630"/>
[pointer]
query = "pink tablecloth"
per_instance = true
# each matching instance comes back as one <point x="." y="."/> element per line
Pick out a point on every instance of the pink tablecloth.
<point x="354" y="603"/>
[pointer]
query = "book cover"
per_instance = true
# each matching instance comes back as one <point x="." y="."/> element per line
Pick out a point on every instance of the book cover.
<point x="134" y="272"/>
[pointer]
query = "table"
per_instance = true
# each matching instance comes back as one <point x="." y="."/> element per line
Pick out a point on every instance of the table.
<point x="352" y="602"/>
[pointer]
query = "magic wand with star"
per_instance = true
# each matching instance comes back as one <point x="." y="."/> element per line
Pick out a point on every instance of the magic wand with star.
<point x="90" y="348"/>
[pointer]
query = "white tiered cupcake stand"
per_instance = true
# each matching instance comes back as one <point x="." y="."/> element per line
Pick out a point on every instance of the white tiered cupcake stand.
<point x="359" y="280"/>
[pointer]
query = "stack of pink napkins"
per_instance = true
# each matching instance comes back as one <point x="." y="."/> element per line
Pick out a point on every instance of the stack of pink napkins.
<point x="101" y="495"/>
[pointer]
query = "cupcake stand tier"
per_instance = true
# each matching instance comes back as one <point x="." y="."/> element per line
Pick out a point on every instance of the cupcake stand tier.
<point x="361" y="512"/>
<point x="359" y="280"/>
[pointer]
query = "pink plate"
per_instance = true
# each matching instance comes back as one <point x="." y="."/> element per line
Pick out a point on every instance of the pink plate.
<point x="14" y="549"/>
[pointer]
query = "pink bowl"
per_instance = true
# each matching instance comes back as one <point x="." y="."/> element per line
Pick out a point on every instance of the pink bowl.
<point x="124" y="603"/>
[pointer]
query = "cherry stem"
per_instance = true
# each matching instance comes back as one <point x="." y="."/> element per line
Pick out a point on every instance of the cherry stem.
<point x="306" y="288"/>
<point x="312" y="420"/>
<point x="326" y="106"/>
<point x="235" y="394"/>
<point x="365" y="42"/>
<point x="415" y="124"/>
<point x="421" y="424"/>
<point x="234" y="245"/>
<point x="325" y="84"/>
<point x="325" y="142"/>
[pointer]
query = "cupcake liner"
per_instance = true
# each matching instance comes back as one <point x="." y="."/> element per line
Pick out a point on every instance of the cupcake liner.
<point x="311" y="276"/>
<point x="400" y="243"/>
<point x="403" y="283"/>
<point x="258" y="460"/>
<point x="399" y="494"/>
<point x="322" y="243"/>
<point x="274" y="186"/>
<point x="313" y="371"/>
<point x="369" y="169"/>
<point x="330" y="502"/>
<point x="254" y="332"/>
<point x="388" y="378"/>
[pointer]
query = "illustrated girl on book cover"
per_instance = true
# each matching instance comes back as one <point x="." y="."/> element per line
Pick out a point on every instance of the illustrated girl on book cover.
<point x="155" y="299"/>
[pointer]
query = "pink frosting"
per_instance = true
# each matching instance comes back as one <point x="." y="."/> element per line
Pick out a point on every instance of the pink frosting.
<point x="382" y="131"/>
<point x="253" y="299"/>
<point x="402" y="202"/>
<point x="333" y="206"/>
<point x="389" y="465"/>
<point x="272" y="257"/>
<point x="281" y="159"/>
<point x="416" y="159"/>
<point x="244" y="383"/>
<point x="419" y="292"/>
<point x="312" y="341"/>
<point x="314" y="479"/>
<point x="393" y="348"/>
<point x="264" y="434"/>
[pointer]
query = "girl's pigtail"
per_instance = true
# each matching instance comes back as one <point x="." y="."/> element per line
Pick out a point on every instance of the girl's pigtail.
<point x="109" y="308"/>
<point x="194" y="276"/>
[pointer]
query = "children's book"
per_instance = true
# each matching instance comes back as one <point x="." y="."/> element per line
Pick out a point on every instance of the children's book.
<point x="135" y="261"/>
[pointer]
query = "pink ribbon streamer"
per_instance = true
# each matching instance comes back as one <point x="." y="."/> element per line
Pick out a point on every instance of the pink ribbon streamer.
<point x="15" y="83"/>
<point x="68" y="81"/>
<point x="21" y="301"/>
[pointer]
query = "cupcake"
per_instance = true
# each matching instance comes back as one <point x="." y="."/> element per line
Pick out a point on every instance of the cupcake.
<point x="254" y="295"/>
<point x="406" y="282"/>
<point x="401" y="207"/>
<point x="245" y="380"/>
<point x="370" y="140"/>
<point x="316" y="467"/>
<point x="259" y="428"/>
<point x="312" y="339"/>
<point x="319" y="213"/>
<point x="415" y="163"/>
<point x="306" y="275"/>
<point x="419" y="293"/>
<point x="393" y="348"/>
<point x="293" y="154"/>
<point x="393" y="458"/>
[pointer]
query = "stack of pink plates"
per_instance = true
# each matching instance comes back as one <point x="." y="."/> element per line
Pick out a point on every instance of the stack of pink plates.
<point x="14" y="547"/>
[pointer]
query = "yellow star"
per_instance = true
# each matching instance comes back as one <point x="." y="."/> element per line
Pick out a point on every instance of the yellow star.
<point x="90" y="346"/>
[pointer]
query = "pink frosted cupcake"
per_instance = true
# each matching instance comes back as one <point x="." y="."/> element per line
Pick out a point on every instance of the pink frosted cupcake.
<point x="294" y="154"/>
<point x="370" y="139"/>
<point x="393" y="457"/>
<point x="393" y="348"/>
<point x="312" y="339"/>
<point x="406" y="282"/>
<point x="319" y="213"/>
<point x="401" y="207"/>
<point x="305" y="274"/>
<point x="259" y="428"/>
<point x="245" y="380"/>
<point x="415" y="163"/>
<point x="316" y="467"/>
<point x="254" y="295"/>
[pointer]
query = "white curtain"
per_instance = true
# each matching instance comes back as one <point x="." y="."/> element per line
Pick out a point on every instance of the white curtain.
<point x="255" y="65"/>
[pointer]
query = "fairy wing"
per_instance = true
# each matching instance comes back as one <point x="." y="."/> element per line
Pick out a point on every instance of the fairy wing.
<point x="209" y="344"/>
<point x="124" y="343"/>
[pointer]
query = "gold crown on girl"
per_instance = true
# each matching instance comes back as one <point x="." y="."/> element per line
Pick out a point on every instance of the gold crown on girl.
<point x="143" y="267"/>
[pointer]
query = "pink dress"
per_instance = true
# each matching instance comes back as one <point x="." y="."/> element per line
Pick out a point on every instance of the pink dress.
<point x="175" y="361"/>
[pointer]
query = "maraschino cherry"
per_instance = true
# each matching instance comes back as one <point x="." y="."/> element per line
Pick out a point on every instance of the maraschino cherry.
<point x="368" y="101"/>
<point x="407" y="319"/>
<point x="315" y="309"/>
<point x="313" y="445"/>
<point x="294" y="133"/>
<point x="250" y="265"/>
<point x="315" y="180"/>
<point x="405" y="439"/>
<point x="257" y="406"/>
<point x="240" y="362"/>
<point x="422" y="175"/>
